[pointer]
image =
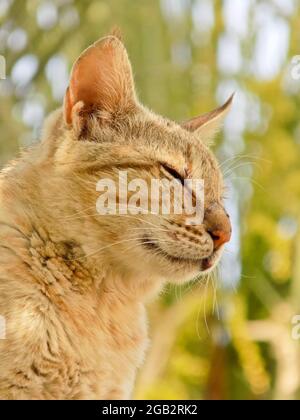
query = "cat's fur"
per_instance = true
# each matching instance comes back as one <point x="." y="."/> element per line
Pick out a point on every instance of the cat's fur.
<point x="72" y="283"/>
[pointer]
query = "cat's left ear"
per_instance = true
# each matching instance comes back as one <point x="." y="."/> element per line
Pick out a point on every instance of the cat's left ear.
<point x="208" y="125"/>
<point x="101" y="80"/>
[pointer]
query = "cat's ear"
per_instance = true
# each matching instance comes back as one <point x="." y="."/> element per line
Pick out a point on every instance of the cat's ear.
<point x="101" y="79"/>
<point x="207" y="125"/>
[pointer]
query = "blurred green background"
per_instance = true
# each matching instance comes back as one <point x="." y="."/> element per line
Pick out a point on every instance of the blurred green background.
<point x="232" y="336"/>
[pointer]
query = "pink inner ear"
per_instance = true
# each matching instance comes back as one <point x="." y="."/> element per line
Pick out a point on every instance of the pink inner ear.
<point x="87" y="78"/>
<point x="68" y="107"/>
<point x="101" y="78"/>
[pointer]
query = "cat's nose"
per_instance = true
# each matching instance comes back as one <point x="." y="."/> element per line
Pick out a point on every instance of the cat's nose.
<point x="220" y="238"/>
<point x="218" y="225"/>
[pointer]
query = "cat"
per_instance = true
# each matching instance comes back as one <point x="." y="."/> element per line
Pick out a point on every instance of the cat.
<point x="74" y="284"/>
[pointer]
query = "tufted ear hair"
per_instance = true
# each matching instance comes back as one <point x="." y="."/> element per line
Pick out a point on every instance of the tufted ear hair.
<point x="207" y="125"/>
<point x="101" y="79"/>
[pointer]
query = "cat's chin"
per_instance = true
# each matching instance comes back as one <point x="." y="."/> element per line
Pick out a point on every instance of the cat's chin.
<point x="182" y="269"/>
<point x="183" y="273"/>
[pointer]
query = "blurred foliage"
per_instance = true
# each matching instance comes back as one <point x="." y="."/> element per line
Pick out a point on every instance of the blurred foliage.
<point x="234" y="343"/>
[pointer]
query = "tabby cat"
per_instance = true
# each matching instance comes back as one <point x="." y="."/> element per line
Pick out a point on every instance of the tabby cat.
<point x="73" y="284"/>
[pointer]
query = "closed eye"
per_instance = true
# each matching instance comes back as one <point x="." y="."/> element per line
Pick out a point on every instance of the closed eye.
<point x="174" y="174"/>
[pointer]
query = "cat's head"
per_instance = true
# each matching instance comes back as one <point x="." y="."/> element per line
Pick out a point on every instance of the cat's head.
<point x="108" y="132"/>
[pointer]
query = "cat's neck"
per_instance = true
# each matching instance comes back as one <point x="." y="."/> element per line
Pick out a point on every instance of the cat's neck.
<point x="55" y="232"/>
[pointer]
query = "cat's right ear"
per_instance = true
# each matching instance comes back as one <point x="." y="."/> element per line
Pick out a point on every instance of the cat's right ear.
<point x="209" y="124"/>
<point x="101" y="80"/>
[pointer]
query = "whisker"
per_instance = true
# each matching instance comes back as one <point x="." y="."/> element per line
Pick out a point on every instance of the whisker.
<point x="102" y="248"/>
<point x="237" y="158"/>
<point x="158" y="229"/>
<point x="229" y="171"/>
<point x="215" y="304"/>
<point x="150" y="242"/>
<point x="204" y="307"/>
<point x="76" y="214"/>
<point x="253" y="181"/>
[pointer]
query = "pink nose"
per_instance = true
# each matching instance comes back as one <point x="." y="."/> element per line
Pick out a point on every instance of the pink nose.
<point x="217" y="224"/>
<point x="220" y="237"/>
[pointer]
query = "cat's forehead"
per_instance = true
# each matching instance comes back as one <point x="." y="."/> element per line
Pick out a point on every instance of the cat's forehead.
<point x="155" y="132"/>
<point x="151" y="138"/>
<point x="167" y="138"/>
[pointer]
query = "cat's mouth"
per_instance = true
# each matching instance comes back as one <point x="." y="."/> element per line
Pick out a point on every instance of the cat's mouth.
<point x="204" y="264"/>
